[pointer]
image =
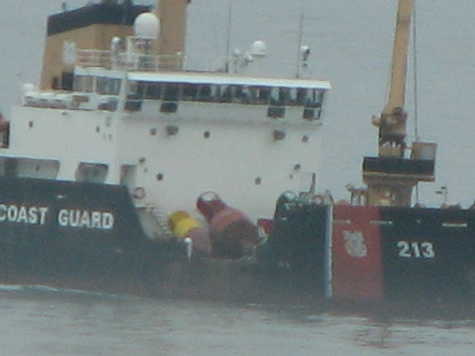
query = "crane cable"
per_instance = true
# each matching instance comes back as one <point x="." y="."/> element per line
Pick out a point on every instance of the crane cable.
<point x="414" y="55"/>
<point x="416" y="99"/>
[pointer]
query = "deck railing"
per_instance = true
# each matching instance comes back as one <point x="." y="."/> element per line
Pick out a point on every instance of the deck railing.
<point x="129" y="61"/>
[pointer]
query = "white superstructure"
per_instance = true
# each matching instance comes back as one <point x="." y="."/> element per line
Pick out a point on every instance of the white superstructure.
<point x="169" y="136"/>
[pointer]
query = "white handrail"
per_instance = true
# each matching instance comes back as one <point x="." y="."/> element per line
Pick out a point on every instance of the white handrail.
<point x="129" y="61"/>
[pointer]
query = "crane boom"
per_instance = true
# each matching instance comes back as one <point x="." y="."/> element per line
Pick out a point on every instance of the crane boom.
<point x="399" y="61"/>
<point x="391" y="176"/>
<point x="392" y="121"/>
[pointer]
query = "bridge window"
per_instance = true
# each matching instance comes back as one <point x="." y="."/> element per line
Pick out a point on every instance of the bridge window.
<point x="220" y="93"/>
<point x="153" y="91"/>
<point x="205" y="93"/>
<point x="238" y="94"/>
<point x="190" y="91"/>
<point x="284" y="96"/>
<point x="313" y="104"/>
<point x="314" y="98"/>
<point x="215" y="92"/>
<point x="301" y="96"/>
<point x="321" y="96"/>
<point x="260" y="95"/>
<point x="227" y="93"/>
<point x="107" y="86"/>
<point x="84" y="83"/>
<point x="234" y="94"/>
<point x="171" y="92"/>
<point x="141" y="87"/>
<point x="135" y="92"/>
<point x="133" y="89"/>
<point x="280" y="96"/>
<point x="246" y="95"/>
<point x="292" y="97"/>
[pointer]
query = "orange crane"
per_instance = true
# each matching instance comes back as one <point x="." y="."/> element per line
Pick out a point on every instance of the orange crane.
<point x="391" y="176"/>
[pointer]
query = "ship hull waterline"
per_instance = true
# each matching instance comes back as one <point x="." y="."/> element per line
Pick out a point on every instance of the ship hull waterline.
<point x="83" y="235"/>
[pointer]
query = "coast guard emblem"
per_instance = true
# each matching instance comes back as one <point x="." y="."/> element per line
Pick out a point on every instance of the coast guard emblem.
<point x="355" y="244"/>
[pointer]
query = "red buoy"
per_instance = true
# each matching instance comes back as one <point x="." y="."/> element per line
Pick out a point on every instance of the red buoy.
<point x="231" y="231"/>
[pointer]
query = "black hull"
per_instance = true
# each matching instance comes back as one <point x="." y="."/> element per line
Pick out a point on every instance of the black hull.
<point x="88" y="234"/>
<point x="376" y="254"/>
<point x="81" y="235"/>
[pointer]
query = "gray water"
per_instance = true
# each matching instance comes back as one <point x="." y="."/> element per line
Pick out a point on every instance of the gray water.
<point x="45" y="321"/>
<point x="351" y="43"/>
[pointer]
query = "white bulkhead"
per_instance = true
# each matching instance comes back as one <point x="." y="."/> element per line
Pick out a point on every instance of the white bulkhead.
<point x="170" y="136"/>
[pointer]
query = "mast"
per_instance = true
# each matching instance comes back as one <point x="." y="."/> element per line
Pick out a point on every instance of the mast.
<point x="391" y="176"/>
<point x="228" y="36"/>
<point x="299" y="48"/>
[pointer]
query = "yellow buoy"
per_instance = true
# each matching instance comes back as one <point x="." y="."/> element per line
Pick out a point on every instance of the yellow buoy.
<point x="181" y="223"/>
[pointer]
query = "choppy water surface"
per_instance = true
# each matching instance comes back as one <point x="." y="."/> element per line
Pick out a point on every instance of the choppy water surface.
<point x="45" y="321"/>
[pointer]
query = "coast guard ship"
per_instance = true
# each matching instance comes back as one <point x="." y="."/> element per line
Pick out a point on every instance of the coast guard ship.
<point x="121" y="154"/>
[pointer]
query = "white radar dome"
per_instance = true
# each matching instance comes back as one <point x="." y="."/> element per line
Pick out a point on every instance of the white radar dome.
<point x="146" y="25"/>
<point x="259" y="49"/>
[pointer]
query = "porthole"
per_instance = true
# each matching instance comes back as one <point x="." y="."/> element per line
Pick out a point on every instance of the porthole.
<point x="160" y="177"/>
<point x="258" y="180"/>
<point x="172" y="130"/>
<point x="278" y="135"/>
<point x="153" y="132"/>
<point x="207" y="134"/>
<point x="297" y="167"/>
<point x="98" y="129"/>
<point x="30" y="124"/>
<point x="305" y="139"/>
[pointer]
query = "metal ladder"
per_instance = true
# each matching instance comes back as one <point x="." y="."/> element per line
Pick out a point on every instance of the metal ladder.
<point x="163" y="230"/>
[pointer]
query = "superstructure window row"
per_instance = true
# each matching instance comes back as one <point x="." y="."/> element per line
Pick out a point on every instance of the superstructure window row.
<point x="203" y="92"/>
<point x="219" y="93"/>
<point x="99" y="85"/>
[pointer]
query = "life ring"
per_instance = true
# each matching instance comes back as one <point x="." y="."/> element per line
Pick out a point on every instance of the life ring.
<point x="139" y="193"/>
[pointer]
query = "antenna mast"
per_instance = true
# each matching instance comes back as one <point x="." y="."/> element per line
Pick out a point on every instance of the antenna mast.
<point x="300" y="41"/>
<point x="228" y="36"/>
